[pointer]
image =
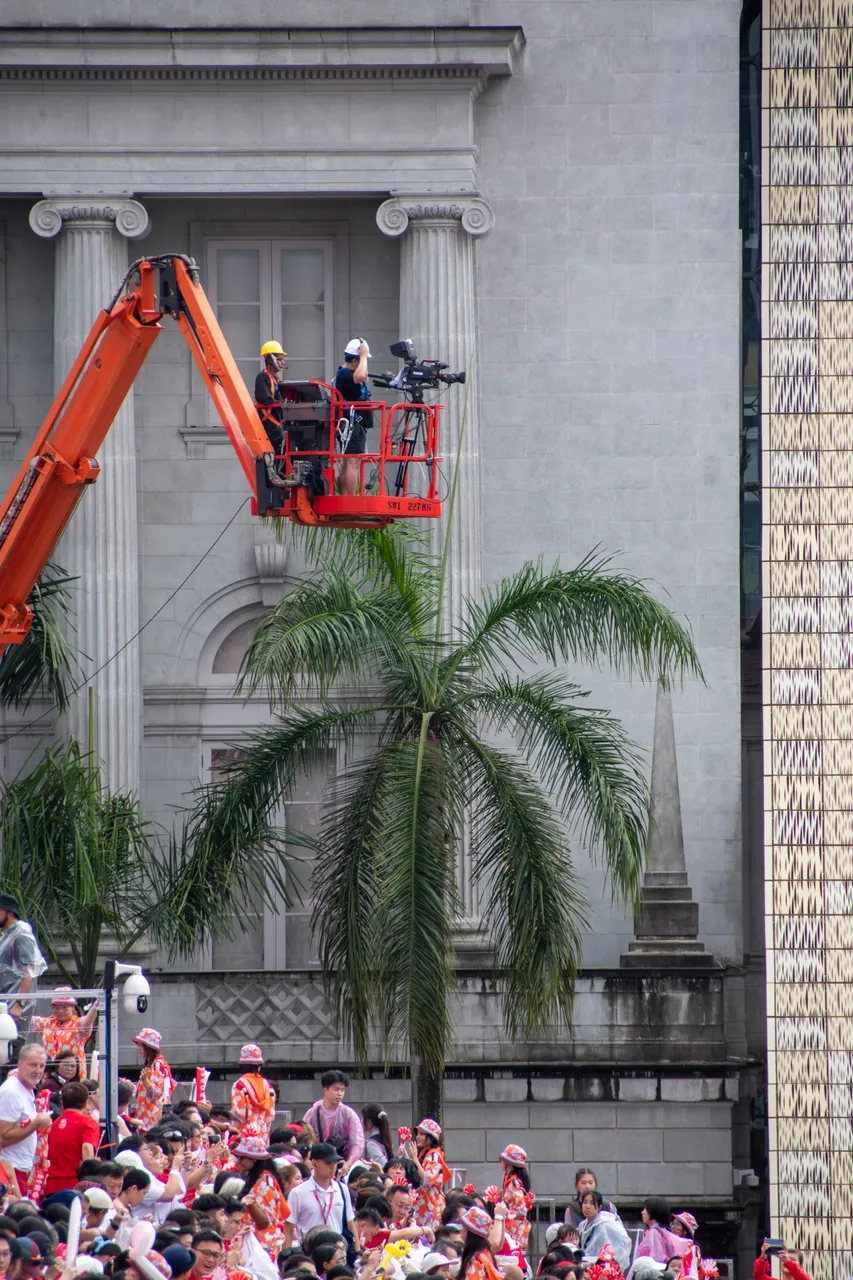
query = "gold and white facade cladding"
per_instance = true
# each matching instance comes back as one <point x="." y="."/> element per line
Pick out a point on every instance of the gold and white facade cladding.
<point x="807" y="464"/>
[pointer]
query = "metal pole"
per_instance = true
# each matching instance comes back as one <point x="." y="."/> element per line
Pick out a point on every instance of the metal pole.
<point x="110" y="1092"/>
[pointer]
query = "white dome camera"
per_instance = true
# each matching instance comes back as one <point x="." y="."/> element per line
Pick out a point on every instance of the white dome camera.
<point x="136" y="991"/>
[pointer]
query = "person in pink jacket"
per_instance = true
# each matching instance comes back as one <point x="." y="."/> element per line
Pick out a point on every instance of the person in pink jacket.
<point x="659" y="1242"/>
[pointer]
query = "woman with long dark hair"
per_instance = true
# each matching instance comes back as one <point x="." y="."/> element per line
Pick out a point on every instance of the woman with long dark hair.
<point x="516" y="1193"/>
<point x="263" y="1194"/>
<point x="428" y="1158"/>
<point x="156" y="1083"/>
<point x="377" y="1133"/>
<point x="477" y="1261"/>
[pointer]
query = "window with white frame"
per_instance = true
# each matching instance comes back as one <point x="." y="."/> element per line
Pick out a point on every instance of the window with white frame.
<point x="282" y="289"/>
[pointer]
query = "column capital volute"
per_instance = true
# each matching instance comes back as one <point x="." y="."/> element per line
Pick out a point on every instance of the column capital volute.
<point x="129" y="217"/>
<point x="473" y="213"/>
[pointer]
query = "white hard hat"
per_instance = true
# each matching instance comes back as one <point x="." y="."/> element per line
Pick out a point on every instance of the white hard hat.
<point x="351" y="349"/>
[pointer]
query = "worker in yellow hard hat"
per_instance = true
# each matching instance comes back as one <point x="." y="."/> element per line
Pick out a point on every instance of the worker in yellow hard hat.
<point x="269" y="396"/>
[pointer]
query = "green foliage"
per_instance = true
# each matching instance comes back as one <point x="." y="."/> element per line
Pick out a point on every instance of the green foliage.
<point x="42" y="662"/>
<point x="86" y="868"/>
<point x="448" y="738"/>
<point x="78" y="859"/>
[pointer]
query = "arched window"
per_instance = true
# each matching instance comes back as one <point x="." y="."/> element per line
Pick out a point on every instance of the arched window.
<point x="279" y="936"/>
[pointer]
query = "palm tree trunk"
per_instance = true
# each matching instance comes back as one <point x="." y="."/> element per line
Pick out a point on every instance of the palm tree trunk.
<point x="427" y="1084"/>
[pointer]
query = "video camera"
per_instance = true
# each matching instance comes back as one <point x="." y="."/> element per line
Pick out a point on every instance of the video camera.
<point x="416" y="376"/>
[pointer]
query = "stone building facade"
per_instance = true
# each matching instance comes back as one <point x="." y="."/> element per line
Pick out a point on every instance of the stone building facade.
<point x="547" y="193"/>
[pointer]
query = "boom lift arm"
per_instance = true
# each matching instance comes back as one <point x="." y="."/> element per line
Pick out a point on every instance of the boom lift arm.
<point x="62" y="459"/>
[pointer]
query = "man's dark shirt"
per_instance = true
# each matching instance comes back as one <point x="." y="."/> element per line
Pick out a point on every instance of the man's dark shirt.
<point x="264" y="393"/>
<point x="352" y="390"/>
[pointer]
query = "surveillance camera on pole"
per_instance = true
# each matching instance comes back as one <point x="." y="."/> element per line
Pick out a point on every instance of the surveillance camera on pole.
<point x="136" y="991"/>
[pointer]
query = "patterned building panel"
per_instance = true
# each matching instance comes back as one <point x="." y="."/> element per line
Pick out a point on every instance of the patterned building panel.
<point x="807" y="554"/>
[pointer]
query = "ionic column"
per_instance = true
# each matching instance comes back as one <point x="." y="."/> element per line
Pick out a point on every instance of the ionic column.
<point x="100" y="545"/>
<point x="438" y="311"/>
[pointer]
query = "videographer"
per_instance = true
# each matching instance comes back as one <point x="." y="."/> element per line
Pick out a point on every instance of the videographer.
<point x="351" y="381"/>
<point x="791" y="1260"/>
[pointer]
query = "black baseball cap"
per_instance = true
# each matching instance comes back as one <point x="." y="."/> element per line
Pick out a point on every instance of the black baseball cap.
<point x="325" y="1151"/>
<point x="8" y="902"/>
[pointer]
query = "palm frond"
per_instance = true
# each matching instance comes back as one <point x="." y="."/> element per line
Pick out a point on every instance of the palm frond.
<point x="592" y="614"/>
<point x="328" y="629"/>
<point x="229" y="839"/>
<point x="42" y="662"/>
<point x="586" y="760"/>
<point x="347" y="888"/>
<point x="519" y="857"/>
<point x="417" y="905"/>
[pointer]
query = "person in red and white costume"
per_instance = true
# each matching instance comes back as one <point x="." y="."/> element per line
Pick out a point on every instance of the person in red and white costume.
<point x="426" y="1154"/>
<point x="267" y="1209"/>
<point x="516" y="1193"/>
<point x="65" y="1029"/>
<point x="253" y="1097"/>
<point x="156" y="1083"/>
<point x="478" y="1260"/>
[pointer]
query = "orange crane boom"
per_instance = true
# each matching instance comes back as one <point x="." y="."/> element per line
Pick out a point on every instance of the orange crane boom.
<point x="62" y="458"/>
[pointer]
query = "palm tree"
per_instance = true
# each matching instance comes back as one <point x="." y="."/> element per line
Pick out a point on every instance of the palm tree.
<point x="92" y="877"/>
<point x="447" y="732"/>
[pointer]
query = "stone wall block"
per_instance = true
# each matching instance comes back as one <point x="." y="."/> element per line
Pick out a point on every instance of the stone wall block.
<point x="637" y="1089"/>
<point x="547" y="1089"/>
<point x="512" y="1090"/>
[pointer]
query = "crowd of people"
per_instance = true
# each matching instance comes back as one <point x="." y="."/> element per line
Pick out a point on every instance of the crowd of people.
<point x="190" y="1191"/>
<point x="194" y="1190"/>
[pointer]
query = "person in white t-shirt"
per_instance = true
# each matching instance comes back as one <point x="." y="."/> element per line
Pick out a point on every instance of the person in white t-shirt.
<point x="321" y="1201"/>
<point x="160" y="1197"/>
<point x="20" y="1119"/>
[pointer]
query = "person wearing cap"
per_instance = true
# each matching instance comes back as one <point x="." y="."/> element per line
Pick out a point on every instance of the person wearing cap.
<point x="97" y="1203"/>
<point x="263" y="1196"/>
<point x="516" y="1193"/>
<point x="270" y="395"/>
<point x="437" y="1264"/>
<point x="65" y="1028"/>
<point x="180" y="1260"/>
<point x="156" y="1083"/>
<point x="321" y="1200"/>
<point x="29" y="1257"/>
<point x="21" y="961"/>
<point x="351" y="382"/>
<point x="478" y="1260"/>
<point x="74" y="1137"/>
<point x="685" y="1226"/>
<point x="253" y="1097"/>
<point x="426" y="1154"/>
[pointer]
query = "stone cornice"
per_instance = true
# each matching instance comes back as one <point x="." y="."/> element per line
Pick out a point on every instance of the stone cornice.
<point x="130" y="218"/>
<point x="377" y="53"/>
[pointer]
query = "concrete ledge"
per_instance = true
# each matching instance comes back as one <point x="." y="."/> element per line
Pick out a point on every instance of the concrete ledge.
<point x="489" y="51"/>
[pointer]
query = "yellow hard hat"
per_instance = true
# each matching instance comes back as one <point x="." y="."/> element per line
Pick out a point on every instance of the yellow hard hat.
<point x="273" y="349"/>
